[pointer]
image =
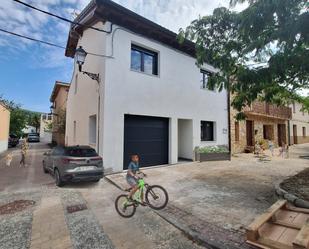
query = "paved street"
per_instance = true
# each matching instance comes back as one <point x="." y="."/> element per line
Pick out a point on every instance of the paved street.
<point x="211" y="202"/>
<point x="48" y="223"/>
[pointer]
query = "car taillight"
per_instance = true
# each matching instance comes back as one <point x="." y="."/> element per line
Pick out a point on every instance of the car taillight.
<point x="98" y="158"/>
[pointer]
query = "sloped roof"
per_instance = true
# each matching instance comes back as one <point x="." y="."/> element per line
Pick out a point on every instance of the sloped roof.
<point x="107" y="10"/>
<point x="57" y="86"/>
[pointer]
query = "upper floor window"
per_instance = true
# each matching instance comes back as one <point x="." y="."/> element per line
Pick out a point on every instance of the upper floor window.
<point x="76" y="84"/>
<point x="294" y="107"/>
<point x="204" y="78"/>
<point x="144" y="60"/>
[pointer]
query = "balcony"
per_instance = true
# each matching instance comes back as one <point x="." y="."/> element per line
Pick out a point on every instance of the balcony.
<point x="264" y="109"/>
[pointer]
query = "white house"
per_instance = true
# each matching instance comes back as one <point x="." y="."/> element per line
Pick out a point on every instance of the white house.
<point x="151" y="97"/>
<point x="45" y="127"/>
<point x="299" y="125"/>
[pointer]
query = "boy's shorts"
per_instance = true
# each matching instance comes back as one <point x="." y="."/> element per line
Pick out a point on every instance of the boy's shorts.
<point x="131" y="181"/>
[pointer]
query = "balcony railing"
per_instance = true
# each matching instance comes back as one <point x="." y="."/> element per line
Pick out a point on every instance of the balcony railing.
<point x="263" y="108"/>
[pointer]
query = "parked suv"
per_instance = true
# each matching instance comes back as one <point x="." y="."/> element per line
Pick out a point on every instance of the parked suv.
<point x="13" y="140"/>
<point x="33" y="137"/>
<point x="73" y="164"/>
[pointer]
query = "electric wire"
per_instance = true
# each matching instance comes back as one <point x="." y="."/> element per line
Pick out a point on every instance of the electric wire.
<point x="48" y="43"/>
<point x="60" y="17"/>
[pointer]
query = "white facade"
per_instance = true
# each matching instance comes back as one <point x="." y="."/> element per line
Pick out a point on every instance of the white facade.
<point x="175" y="93"/>
<point x="299" y="125"/>
<point x="45" y="127"/>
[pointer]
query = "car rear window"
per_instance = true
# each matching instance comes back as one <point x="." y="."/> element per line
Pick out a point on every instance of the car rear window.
<point x="81" y="152"/>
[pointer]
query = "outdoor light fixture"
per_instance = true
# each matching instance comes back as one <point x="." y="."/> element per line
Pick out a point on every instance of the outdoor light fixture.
<point x="80" y="56"/>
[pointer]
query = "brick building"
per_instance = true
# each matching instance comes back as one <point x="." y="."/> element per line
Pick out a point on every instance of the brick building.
<point x="263" y="122"/>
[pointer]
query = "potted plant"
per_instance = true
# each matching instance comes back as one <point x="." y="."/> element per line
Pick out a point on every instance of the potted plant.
<point x="212" y="153"/>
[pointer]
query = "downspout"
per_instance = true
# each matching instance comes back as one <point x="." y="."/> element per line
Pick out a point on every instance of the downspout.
<point x="229" y="117"/>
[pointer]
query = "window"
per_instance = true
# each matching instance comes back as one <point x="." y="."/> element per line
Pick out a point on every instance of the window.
<point x="144" y="60"/>
<point x="294" y="108"/>
<point x="93" y="129"/>
<point x="49" y="117"/>
<point x="204" y="78"/>
<point x="304" y="131"/>
<point x="207" y="131"/>
<point x="76" y="83"/>
<point x="236" y="131"/>
<point x="74" y="132"/>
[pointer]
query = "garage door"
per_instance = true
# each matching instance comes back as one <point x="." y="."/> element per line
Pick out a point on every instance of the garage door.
<point x="148" y="137"/>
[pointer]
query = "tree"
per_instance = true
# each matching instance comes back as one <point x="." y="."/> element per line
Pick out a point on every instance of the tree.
<point x="262" y="52"/>
<point x="34" y="120"/>
<point x="18" y="118"/>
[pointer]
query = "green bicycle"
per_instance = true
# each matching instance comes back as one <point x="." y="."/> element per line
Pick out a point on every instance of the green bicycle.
<point x="156" y="197"/>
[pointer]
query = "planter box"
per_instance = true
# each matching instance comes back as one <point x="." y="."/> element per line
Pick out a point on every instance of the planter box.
<point x="202" y="157"/>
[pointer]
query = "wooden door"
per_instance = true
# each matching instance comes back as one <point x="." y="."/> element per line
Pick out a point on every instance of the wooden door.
<point x="250" y="132"/>
<point x="295" y="134"/>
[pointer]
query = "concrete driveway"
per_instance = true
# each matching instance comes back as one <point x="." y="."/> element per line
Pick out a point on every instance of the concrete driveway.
<point x="225" y="195"/>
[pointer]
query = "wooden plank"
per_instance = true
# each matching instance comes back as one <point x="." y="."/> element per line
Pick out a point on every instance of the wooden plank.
<point x="302" y="239"/>
<point x="271" y="231"/>
<point x="301" y="219"/>
<point x="257" y="244"/>
<point x="286" y="215"/>
<point x="273" y="244"/>
<point x="296" y="209"/>
<point x="252" y="230"/>
<point x="287" y="224"/>
<point x="288" y="236"/>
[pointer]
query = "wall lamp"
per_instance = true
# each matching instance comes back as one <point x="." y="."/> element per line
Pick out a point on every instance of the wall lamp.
<point x="80" y="56"/>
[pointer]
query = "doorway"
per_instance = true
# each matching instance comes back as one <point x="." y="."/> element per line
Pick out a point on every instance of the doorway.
<point x="295" y="134"/>
<point x="250" y="132"/>
<point x="281" y="134"/>
<point x="185" y="139"/>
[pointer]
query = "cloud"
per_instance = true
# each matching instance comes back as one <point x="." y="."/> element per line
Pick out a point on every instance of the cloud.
<point x="172" y="14"/>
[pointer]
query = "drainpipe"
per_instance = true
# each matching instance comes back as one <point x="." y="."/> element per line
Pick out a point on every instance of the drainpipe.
<point x="229" y="118"/>
<point x="289" y="133"/>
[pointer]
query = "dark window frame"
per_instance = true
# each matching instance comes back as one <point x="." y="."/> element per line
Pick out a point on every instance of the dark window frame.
<point x="204" y="83"/>
<point x="144" y="51"/>
<point x="207" y="137"/>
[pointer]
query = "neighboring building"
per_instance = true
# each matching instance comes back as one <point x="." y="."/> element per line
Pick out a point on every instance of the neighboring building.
<point x="28" y="129"/>
<point x="59" y="102"/>
<point x="4" y="127"/>
<point x="299" y="125"/>
<point x="264" y="122"/>
<point x="151" y="98"/>
<point x="45" y="127"/>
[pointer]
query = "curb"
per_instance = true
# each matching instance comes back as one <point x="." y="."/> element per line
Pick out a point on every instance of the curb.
<point x="193" y="235"/>
<point x="298" y="202"/>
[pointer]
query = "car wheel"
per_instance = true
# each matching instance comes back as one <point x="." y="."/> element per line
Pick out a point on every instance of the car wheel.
<point x="96" y="180"/>
<point x="44" y="168"/>
<point x="58" y="180"/>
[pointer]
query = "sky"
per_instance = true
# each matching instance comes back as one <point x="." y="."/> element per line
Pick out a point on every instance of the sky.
<point x="29" y="70"/>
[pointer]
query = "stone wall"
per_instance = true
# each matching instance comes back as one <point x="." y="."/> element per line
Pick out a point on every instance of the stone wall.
<point x="259" y="122"/>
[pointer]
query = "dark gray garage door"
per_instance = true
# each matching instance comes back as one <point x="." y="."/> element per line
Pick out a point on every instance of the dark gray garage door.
<point x="148" y="137"/>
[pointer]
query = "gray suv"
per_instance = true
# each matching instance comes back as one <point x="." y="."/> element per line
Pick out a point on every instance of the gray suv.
<point x="73" y="164"/>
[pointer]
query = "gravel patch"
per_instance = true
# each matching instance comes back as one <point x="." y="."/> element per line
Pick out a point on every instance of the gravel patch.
<point x="15" y="228"/>
<point x="86" y="232"/>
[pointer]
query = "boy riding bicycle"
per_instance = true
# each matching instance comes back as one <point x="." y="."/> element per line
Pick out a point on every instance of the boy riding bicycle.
<point x="132" y="178"/>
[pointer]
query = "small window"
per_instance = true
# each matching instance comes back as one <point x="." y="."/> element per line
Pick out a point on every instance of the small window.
<point x="49" y="117"/>
<point x="207" y="131"/>
<point x="294" y="108"/>
<point x="76" y="84"/>
<point x="237" y="131"/>
<point x="304" y="131"/>
<point x="74" y="131"/>
<point x="93" y="129"/>
<point x="204" y="78"/>
<point x="144" y="60"/>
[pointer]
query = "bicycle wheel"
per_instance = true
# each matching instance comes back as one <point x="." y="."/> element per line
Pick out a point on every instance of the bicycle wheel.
<point x="156" y="197"/>
<point x="124" y="207"/>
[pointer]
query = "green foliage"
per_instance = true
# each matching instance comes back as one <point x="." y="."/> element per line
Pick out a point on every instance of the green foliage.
<point x="19" y="118"/>
<point x="212" y="149"/>
<point x="34" y="119"/>
<point x="262" y="52"/>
